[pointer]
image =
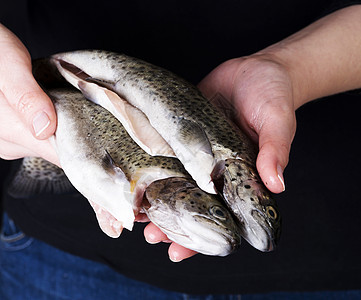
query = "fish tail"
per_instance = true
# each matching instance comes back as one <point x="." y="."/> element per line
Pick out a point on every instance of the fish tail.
<point x="29" y="182"/>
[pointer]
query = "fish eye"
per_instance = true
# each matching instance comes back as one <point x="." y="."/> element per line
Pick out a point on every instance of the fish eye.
<point x="218" y="212"/>
<point x="271" y="212"/>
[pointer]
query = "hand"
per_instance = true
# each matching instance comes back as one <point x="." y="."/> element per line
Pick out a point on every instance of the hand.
<point x="27" y="116"/>
<point x="259" y="92"/>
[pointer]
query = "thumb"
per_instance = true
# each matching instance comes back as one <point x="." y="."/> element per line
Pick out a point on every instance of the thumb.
<point x="20" y="88"/>
<point x="275" y="137"/>
<point x="32" y="104"/>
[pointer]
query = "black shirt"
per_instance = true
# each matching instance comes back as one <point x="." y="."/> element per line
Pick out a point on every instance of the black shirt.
<point x="319" y="247"/>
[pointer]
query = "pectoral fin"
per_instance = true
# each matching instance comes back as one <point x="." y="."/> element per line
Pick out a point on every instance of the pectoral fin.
<point x="107" y="222"/>
<point x="194" y="146"/>
<point x="111" y="167"/>
<point x="191" y="134"/>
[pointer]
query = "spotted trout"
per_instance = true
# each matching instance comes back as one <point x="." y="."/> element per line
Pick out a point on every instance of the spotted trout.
<point x="117" y="177"/>
<point x="210" y="147"/>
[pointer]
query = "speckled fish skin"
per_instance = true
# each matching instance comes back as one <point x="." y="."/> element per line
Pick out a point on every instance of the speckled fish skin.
<point x="185" y="119"/>
<point x="104" y="143"/>
<point x="174" y="201"/>
<point x="256" y="211"/>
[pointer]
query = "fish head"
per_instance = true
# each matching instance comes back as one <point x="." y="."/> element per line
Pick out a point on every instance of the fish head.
<point x="191" y="217"/>
<point x="255" y="209"/>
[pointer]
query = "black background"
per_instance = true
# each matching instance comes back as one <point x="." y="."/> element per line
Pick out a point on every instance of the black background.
<point x="321" y="207"/>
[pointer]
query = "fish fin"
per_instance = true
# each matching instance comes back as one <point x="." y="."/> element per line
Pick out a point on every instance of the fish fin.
<point x="134" y="120"/>
<point x="192" y="134"/>
<point x="217" y="175"/>
<point x="37" y="176"/>
<point x="195" y="146"/>
<point x="110" y="165"/>
<point x="107" y="222"/>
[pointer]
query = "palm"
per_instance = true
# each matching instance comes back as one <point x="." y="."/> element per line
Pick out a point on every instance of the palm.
<point x="260" y="93"/>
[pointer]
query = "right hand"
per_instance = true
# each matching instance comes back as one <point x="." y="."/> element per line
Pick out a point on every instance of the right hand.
<point x="27" y="115"/>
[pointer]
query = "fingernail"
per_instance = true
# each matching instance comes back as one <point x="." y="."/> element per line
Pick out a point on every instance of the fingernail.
<point x="40" y="123"/>
<point x="174" y="257"/>
<point x="117" y="225"/>
<point x="151" y="239"/>
<point x="280" y="177"/>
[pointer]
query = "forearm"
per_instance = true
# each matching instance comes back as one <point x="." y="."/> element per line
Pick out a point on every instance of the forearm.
<point x="323" y="58"/>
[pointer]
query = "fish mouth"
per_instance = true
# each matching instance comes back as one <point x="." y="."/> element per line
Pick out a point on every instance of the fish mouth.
<point x="230" y="236"/>
<point x="233" y="242"/>
<point x="258" y="234"/>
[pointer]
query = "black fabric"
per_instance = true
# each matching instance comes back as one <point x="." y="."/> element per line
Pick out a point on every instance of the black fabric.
<point x="319" y="247"/>
<point x="187" y="37"/>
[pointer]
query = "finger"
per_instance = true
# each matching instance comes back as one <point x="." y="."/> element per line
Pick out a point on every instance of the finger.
<point x="275" y="138"/>
<point x="17" y="141"/>
<point x="32" y="104"/>
<point x="21" y="90"/>
<point x="153" y="234"/>
<point x="178" y="253"/>
<point x="10" y="151"/>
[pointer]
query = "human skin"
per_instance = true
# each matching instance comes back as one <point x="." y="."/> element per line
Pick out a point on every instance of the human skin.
<point x="264" y="88"/>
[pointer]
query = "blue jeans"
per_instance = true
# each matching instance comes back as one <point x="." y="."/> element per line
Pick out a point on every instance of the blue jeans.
<point x="31" y="269"/>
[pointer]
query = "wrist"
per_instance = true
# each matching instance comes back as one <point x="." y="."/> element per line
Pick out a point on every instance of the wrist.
<point x="286" y="60"/>
<point x="323" y="58"/>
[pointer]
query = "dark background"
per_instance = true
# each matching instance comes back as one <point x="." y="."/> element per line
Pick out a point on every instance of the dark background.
<point x="321" y="206"/>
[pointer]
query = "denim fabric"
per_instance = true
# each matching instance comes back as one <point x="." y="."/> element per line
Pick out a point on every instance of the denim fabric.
<point x="33" y="270"/>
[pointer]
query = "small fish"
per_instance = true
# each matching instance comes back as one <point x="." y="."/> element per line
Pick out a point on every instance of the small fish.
<point x="212" y="149"/>
<point x="104" y="164"/>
